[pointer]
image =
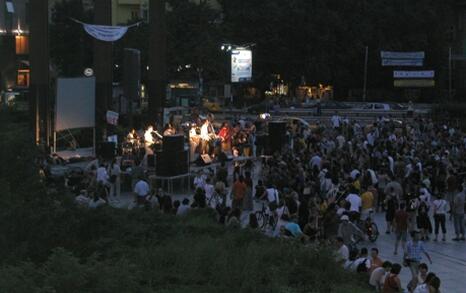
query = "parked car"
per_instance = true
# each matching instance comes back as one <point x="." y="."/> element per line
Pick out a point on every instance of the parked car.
<point x="376" y="107"/>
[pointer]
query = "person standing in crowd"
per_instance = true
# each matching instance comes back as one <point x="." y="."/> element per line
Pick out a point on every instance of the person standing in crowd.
<point x="378" y="276"/>
<point x="392" y="282"/>
<point x="238" y="192"/>
<point x="355" y="203"/>
<point x="115" y="179"/>
<point x="440" y="214"/>
<point x="248" y="203"/>
<point x="423" y="220"/>
<point x="413" y="257"/>
<point x="141" y="191"/>
<point x="390" y="209"/>
<point x="458" y="214"/>
<point x="401" y="227"/>
<point x="208" y="189"/>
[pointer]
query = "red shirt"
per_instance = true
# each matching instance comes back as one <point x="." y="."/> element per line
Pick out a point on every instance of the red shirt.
<point x="401" y="221"/>
<point x="239" y="190"/>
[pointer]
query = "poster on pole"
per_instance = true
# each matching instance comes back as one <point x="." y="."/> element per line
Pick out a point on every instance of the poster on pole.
<point x="403" y="62"/>
<point x="241" y="65"/>
<point x="414" y="74"/>
<point x="402" y="55"/>
<point x="414" y="83"/>
<point x="112" y="118"/>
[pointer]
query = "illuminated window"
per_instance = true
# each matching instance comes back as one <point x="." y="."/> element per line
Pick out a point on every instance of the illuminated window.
<point x="22" y="45"/>
<point x="23" y="78"/>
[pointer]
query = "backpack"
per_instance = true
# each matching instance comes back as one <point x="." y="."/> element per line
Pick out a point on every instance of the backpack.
<point x="362" y="268"/>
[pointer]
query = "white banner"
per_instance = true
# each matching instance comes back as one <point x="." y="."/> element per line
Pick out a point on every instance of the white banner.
<point x="414" y="74"/>
<point x="403" y="62"/>
<point x="112" y="118"/>
<point x="105" y="33"/>
<point x="241" y="65"/>
<point x="402" y="55"/>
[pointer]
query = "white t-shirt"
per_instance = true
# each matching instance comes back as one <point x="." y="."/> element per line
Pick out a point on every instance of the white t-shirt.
<point x="423" y="288"/>
<point x="336" y="120"/>
<point x="142" y="188"/>
<point x="272" y="195"/>
<point x="316" y="161"/>
<point x="359" y="261"/>
<point x="95" y="204"/>
<point x="377" y="278"/>
<point x="343" y="253"/>
<point x="102" y="175"/>
<point x="209" y="190"/>
<point x="355" y="202"/>
<point x="354" y="173"/>
<point x="441" y="206"/>
<point x="182" y="210"/>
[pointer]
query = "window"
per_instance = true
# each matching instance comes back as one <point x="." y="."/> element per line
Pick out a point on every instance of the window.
<point x="23" y="78"/>
<point x="135" y="14"/>
<point x="22" y="45"/>
<point x="9" y="7"/>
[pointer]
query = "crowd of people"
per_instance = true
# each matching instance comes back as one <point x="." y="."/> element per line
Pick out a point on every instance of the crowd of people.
<point x="325" y="186"/>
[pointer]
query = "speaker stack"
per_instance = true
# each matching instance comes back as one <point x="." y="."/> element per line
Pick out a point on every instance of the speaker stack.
<point x="277" y="136"/>
<point x="106" y="150"/>
<point x="173" y="159"/>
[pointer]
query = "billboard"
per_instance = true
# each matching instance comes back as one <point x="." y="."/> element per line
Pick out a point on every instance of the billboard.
<point x="241" y="65"/>
<point x="414" y="74"/>
<point x="75" y="104"/>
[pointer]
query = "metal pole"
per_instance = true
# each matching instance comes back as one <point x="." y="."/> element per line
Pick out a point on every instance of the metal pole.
<point x="366" y="59"/>
<point x="449" y="74"/>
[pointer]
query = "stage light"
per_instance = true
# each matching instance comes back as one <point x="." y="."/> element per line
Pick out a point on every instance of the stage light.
<point x="229" y="48"/>
<point x="264" y="116"/>
<point x="222" y="48"/>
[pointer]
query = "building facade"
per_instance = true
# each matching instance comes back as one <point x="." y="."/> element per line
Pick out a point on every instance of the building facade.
<point x="14" y="45"/>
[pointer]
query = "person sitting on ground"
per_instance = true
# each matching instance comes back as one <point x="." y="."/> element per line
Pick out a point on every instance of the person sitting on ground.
<point x="234" y="219"/>
<point x="392" y="282"/>
<point x="199" y="199"/>
<point x="378" y="276"/>
<point x="82" y="199"/>
<point x="376" y="261"/>
<point x="342" y="253"/>
<point x="176" y="206"/>
<point x="253" y="223"/>
<point x="291" y="230"/>
<point x="362" y="263"/>
<point x="96" y="202"/>
<point x="184" y="208"/>
<point x="431" y="285"/>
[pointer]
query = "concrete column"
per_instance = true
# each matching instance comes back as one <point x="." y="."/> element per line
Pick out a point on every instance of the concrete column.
<point x="40" y="105"/>
<point x="103" y="68"/>
<point x="157" y="81"/>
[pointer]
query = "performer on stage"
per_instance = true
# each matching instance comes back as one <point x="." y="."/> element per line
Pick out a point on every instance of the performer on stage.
<point x="151" y="137"/>
<point x="225" y="137"/>
<point x="207" y="137"/>
<point x="194" y="141"/>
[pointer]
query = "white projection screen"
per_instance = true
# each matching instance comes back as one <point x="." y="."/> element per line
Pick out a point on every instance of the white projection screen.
<point x="75" y="105"/>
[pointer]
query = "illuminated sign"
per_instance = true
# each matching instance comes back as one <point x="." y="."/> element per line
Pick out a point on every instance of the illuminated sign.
<point x="241" y="65"/>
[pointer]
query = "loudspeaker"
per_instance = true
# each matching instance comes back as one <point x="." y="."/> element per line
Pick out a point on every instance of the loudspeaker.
<point x="277" y="136"/>
<point x="131" y="73"/>
<point x="106" y="150"/>
<point x="173" y="143"/>
<point x="171" y="163"/>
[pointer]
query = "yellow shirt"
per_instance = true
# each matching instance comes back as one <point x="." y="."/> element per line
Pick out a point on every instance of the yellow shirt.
<point x="367" y="199"/>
